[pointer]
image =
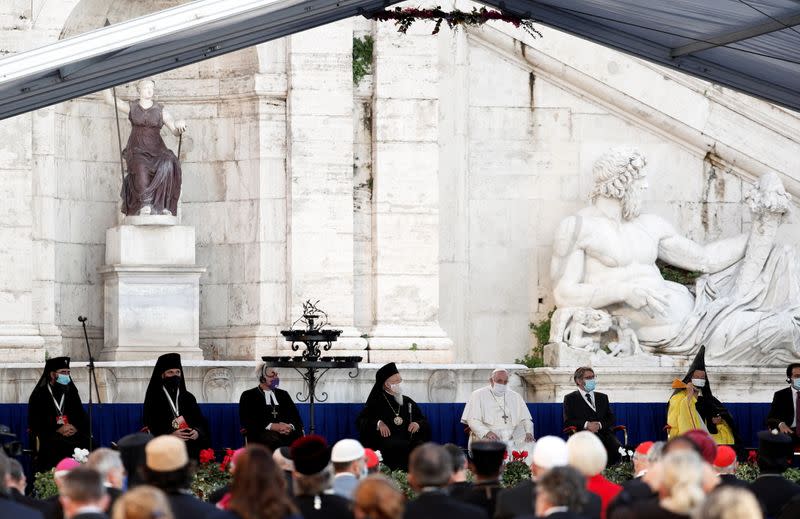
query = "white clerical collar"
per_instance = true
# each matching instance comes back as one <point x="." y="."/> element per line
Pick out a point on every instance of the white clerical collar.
<point x="555" y="509"/>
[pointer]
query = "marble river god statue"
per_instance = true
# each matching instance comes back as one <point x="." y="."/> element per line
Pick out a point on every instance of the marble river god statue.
<point x="153" y="182"/>
<point x="745" y="307"/>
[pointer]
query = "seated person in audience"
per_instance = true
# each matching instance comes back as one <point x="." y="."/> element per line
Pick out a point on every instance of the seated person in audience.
<point x="373" y="462"/>
<point x="349" y="466"/>
<point x="587" y="410"/>
<point x="108" y="463"/>
<point x="731" y="503"/>
<point x="496" y="413"/>
<point x="640" y="461"/>
<point x="285" y="463"/>
<point x="142" y="502"/>
<point x="378" y="498"/>
<point x="15" y="508"/>
<point x="458" y="480"/>
<point x="486" y="464"/>
<point x="772" y="489"/>
<point x="170" y="409"/>
<point x="783" y="411"/>
<point x="429" y="470"/>
<point x="725" y="465"/>
<point x="696" y="408"/>
<point x="586" y="453"/>
<point x="560" y="491"/>
<point x="56" y="415"/>
<point x="391" y="422"/>
<point x="313" y="478"/>
<point x="267" y="414"/>
<point x="82" y="495"/>
<point x="168" y="468"/>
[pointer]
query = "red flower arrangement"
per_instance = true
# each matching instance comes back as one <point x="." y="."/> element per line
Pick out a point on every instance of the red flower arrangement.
<point x="226" y="461"/>
<point x="207" y="455"/>
<point x="519" y="455"/>
<point x="405" y="17"/>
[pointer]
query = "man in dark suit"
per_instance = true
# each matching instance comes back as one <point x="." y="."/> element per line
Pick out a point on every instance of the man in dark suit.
<point x="785" y="404"/>
<point x="109" y="464"/>
<point x="83" y="495"/>
<point x="8" y="508"/>
<point x="267" y="414"/>
<point x="429" y="470"/>
<point x="770" y="487"/>
<point x="586" y="409"/>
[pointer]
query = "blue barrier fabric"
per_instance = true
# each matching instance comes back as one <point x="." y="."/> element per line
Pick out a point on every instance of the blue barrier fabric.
<point x="645" y="421"/>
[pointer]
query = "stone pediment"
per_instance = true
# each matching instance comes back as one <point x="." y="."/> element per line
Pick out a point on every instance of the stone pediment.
<point x="741" y="134"/>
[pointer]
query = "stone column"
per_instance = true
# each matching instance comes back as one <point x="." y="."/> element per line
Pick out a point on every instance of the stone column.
<point x="406" y="198"/>
<point x="320" y="154"/>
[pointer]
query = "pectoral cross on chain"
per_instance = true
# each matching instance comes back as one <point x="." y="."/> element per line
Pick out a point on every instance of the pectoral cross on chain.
<point x="505" y="417"/>
<point x="274" y="412"/>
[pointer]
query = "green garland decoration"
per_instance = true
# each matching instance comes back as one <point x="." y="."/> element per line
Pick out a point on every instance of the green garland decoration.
<point x="405" y="17"/>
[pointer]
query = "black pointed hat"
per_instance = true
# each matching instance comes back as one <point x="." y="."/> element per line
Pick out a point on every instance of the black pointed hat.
<point x="163" y="363"/>
<point x="487" y="457"/>
<point x="51" y="365"/>
<point x="385" y="372"/>
<point x="699" y="362"/>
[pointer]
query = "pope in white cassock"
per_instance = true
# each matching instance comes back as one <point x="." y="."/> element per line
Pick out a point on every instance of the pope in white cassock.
<point x="495" y="412"/>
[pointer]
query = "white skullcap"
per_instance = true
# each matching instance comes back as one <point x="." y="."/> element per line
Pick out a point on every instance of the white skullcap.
<point x="549" y="452"/>
<point x="586" y="453"/>
<point x="499" y="370"/>
<point x="347" y="450"/>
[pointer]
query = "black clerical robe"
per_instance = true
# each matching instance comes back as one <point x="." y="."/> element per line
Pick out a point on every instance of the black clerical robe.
<point x="255" y="415"/>
<point x="157" y="416"/>
<point x="395" y="448"/>
<point x="42" y="422"/>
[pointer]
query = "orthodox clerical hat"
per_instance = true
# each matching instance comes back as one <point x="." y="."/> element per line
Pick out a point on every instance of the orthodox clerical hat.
<point x="55" y="364"/>
<point x="131" y="450"/>
<point x="310" y="454"/>
<point x="487" y="456"/>
<point x="385" y="372"/>
<point x="699" y="362"/>
<point x="163" y="363"/>
<point x="166" y="453"/>
<point x="168" y="361"/>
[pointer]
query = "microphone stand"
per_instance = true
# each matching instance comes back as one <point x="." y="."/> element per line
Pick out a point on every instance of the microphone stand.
<point x="92" y="377"/>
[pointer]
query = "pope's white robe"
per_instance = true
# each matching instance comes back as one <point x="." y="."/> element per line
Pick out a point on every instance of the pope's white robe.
<point x="484" y="413"/>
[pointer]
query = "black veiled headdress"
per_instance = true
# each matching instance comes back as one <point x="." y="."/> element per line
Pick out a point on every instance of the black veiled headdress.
<point x="164" y="362"/>
<point x="381" y="376"/>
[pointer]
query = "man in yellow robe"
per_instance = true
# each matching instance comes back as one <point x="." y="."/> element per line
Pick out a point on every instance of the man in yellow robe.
<point x="696" y="408"/>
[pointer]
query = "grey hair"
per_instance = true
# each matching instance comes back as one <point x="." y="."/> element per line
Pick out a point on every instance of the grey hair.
<point x="564" y="486"/>
<point x="729" y="503"/>
<point x="682" y="481"/>
<point x="104" y="460"/>
<point x="431" y="465"/>
<point x="313" y="484"/>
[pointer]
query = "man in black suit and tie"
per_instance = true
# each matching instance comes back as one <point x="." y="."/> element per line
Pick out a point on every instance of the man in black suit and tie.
<point x="585" y="409"/>
<point x="9" y="508"/>
<point x="785" y="406"/>
<point x="429" y="470"/>
<point x="83" y="495"/>
<point x="560" y="491"/>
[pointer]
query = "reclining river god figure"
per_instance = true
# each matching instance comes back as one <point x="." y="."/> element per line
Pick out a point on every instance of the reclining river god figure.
<point x="745" y="308"/>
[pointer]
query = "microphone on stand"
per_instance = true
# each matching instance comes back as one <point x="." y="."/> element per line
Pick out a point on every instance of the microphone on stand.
<point x="92" y="377"/>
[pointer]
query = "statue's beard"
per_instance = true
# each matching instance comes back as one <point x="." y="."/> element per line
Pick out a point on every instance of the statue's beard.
<point x="631" y="204"/>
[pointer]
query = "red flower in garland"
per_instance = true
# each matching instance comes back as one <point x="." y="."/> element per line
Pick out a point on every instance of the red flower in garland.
<point x="519" y="455"/>
<point x="207" y="455"/>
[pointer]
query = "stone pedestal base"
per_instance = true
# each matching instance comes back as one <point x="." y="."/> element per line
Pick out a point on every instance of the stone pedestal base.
<point x="152" y="291"/>
<point x="21" y="343"/>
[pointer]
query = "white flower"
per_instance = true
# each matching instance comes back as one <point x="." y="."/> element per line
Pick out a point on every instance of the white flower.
<point x="621" y="451"/>
<point x="630" y="454"/>
<point x="80" y="455"/>
<point x="379" y="455"/>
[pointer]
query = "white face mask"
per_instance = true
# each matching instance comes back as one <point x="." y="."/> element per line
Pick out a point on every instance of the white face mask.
<point x="499" y="389"/>
<point x="699" y="382"/>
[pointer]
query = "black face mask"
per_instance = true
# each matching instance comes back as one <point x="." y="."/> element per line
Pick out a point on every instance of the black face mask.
<point x="172" y="383"/>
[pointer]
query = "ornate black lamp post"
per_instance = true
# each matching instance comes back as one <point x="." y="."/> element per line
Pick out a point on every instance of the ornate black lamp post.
<point x="310" y="364"/>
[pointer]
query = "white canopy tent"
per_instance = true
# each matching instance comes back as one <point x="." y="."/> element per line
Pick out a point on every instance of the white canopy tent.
<point x="749" y="45"/>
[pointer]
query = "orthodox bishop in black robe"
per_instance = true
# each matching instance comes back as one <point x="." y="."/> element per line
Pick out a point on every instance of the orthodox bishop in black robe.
<point x="390" y="421"/>
<point x="267" y="414"/>
<point x="56" y="416"/>
<point x="170" y="409"/>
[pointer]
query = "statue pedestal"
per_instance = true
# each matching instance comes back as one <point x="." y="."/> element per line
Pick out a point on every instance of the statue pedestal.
<point x="152" y="290"/>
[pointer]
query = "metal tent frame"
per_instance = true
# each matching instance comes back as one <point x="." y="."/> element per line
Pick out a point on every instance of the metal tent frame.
<point x="750" y="45"/>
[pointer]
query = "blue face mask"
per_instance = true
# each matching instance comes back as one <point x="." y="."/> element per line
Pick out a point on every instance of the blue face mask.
<point x="62" y="379"/>
<point x="796" y="383"/>
<point x="590" y="384"/>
